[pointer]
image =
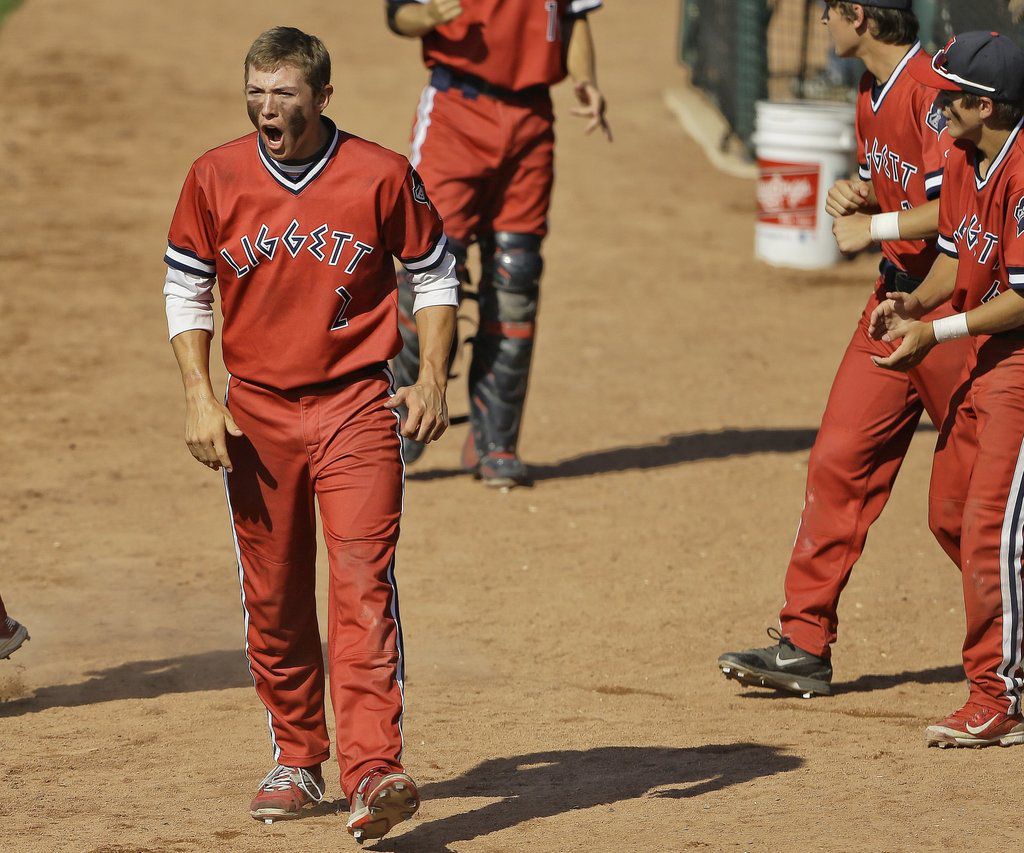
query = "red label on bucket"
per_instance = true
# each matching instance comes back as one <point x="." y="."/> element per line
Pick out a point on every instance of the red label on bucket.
<point x="787" y="194"/>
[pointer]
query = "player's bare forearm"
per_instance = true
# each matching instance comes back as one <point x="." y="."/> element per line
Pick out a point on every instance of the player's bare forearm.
<point x="192" y="351"/>
<point x="1001" y="314"/>
<point x="939" y="284"/>
<point x="581" y="62"/>
<point x="435" y="327"/>
<point x="425" y="402"/>
<point x="207" y="421"/>
<point x="920" y="223"/>
<point x="414" y="20"/>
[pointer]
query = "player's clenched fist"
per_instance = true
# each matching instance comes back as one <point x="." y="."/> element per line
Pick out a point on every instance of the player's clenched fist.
<point x="443" y="11"/>
<point x="848" y="197"/>
<point x="207" y="424"/>
<point x="852" y="233"/>
<point x="427" y="411"/>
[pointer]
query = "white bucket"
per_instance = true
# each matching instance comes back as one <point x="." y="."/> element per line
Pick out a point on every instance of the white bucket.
<point x="802" y="149"/>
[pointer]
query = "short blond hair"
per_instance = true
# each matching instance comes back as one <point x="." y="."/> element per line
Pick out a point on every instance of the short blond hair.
<point x="289" y="46"/>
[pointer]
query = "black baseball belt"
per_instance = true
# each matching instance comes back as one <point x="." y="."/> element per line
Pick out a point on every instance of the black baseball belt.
<point x="896" y="280"/>
<point x="444" y="78"/>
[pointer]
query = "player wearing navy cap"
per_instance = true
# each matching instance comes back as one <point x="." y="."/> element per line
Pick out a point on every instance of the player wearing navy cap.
<point x="976" y="502"/>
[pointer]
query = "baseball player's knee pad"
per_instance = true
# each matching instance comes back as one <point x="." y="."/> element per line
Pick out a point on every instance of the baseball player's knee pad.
<point x="515" y="276"/>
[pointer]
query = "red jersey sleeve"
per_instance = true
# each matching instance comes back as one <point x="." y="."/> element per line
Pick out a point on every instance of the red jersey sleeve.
<point x="1013" y="236"/>
<point x="413" y="231"/>
<point x="190" y="241"/>
<point x="935" y="144"/>
<point x="949" y="205"/>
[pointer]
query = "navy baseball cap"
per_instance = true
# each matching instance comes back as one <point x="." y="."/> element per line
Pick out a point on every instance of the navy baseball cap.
<point x="978" y="63"/>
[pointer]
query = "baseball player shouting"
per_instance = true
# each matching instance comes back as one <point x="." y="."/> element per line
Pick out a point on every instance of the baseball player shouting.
<point x="484" y="140"/>
<point x="12" y="634"/>
<point x="976" y="502"/>
<point x="871" y="413"/>
<point x="299" y="223"/>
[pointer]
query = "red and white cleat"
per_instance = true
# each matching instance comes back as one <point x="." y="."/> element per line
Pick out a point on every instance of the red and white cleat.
<point x="975" y="726"/>
<point x="284" y="792"/>
<point x="12" y="635"/>
<point x="382" y="799"/>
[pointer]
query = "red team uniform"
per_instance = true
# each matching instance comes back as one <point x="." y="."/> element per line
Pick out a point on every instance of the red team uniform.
<point x="977" y="488"/>
<point x="305" y="266"/>
<point x="872" y="413"/>
<point x="483" y="139"/>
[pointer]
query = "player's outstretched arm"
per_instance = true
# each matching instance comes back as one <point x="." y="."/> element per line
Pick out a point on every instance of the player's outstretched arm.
<point x="425" y="401"/>
<point x="581" y="61"/>
<point x="413" y="20"/>
<point x="207" y="421"/>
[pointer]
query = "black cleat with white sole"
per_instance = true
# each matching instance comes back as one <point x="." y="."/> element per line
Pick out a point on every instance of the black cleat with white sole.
<point x="782" y="666"/>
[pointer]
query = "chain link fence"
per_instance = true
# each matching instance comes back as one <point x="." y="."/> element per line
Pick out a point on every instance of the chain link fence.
<point x="743" y="51"/>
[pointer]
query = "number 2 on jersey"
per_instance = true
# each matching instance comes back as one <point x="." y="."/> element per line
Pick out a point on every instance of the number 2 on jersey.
<point x="553" y="20"/>
<point x="339" y="319"/>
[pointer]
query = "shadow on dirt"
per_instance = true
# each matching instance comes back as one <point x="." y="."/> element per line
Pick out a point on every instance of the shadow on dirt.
<point x="145" y="679"/>
<point x="672" y="450"/>
<point x="544" y="784"/>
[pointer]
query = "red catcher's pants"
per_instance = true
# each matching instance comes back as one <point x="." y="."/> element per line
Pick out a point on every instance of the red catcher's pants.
<point x="976" y="508"/>
<point x="336" y="444"/>
<point x="488" y="165"/>
<point x="868" y="423"/>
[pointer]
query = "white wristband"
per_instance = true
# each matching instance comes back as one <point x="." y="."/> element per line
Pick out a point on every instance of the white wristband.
<point x="885" y="226"/>
<point x="950" y="328"/>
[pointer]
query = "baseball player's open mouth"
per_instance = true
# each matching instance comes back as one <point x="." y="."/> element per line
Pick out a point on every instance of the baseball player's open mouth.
<point x="273" y="136"/>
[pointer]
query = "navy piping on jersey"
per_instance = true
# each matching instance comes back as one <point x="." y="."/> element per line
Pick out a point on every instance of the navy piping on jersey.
<point x="982" y="182"/>
<point x="428" y="260"/>
<point x="947" y="246"/>
<point x="1015" y="277"/>
<point x="202" y="267"/>
<point x="295" y="184"/>
<point x="878" y="95"/>
<point x="933" y="184"/>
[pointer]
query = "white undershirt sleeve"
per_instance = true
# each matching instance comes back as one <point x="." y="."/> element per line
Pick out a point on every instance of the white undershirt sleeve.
<point x="188" y="301"/>
<point x="437" y="286"/>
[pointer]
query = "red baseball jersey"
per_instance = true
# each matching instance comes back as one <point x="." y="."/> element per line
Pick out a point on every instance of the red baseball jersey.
<point x="514" y="44"/>
<point x="981" y="222"/>
<point x="305" y="262"/>
<point x="901" y="147"/>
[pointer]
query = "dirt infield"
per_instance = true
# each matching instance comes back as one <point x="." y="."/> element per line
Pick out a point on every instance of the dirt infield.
<point x="563" y="693"/>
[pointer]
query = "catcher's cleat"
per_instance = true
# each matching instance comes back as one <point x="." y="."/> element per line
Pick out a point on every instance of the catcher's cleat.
<point x="502" y="470"/>
<point x="382" y="800"/>
<point x="782" y="667"/>
<point x="284" y="792"/>
<point x="975" y="726"/>
<point x="12" y="636"/>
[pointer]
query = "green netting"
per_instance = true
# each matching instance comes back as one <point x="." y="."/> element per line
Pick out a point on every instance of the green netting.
<point x="741" y="51"/>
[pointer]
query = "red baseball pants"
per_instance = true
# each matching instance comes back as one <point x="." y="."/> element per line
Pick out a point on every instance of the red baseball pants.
<point x="3" y="612"/>
<point x="488" y="164"/>
<point x="865" y="432"/>
<point x="338" y="445"/>
<point x="976" y="509"/>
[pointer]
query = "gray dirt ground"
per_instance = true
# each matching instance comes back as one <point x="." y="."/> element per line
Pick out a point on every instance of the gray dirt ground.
<point x="563" y="693"/>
